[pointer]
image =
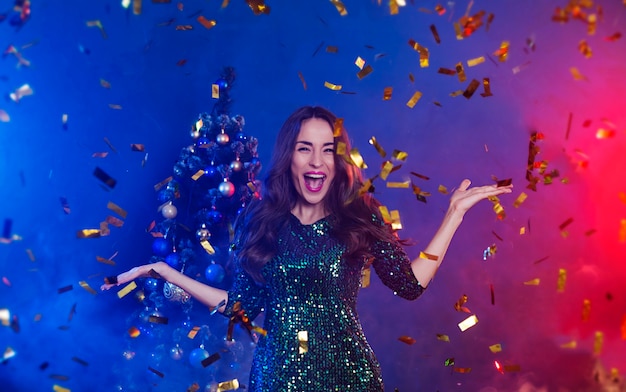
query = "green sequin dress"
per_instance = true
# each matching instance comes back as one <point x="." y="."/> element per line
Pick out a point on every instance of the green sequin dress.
<point x="309" y="287"/>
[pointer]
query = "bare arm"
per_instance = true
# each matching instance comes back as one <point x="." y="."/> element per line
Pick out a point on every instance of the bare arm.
<point x="461" y="201"/>
<point x="208" y="295"/>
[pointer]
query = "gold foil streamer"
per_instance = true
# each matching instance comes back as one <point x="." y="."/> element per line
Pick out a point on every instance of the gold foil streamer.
<point x="598" y="341"/>
<point x="416" y="97"/>
<point x="560" y="284"/>
<point x="331" y="86"/>
<point x="475" y="61"/>
<point x="303" y="342"/>
<point x="127" y="289"/>
<point x="341" y="8"/>
<point x="468" y="323"/>
<point x="208" y="24"/>
<point x="533" y="282"/>
<point x="460" y="72"/>
<point x="495" y="348"/>
<point x="586" y="309"/>
<point x="387" y="93"/>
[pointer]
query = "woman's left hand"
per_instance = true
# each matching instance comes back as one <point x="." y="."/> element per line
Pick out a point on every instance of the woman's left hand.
<point x="465" y="197"/>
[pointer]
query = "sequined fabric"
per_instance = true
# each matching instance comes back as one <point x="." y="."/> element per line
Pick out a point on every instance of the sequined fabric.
<point x="310" y="288"/>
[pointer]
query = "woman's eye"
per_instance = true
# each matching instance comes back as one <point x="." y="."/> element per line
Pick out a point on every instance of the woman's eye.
<point x="330" y="150"/>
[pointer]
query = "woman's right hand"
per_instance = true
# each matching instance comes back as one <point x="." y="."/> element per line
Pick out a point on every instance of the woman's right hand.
<point x="142" y="271"/>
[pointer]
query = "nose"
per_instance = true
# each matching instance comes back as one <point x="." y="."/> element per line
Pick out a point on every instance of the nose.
<point x="316" y="159"/>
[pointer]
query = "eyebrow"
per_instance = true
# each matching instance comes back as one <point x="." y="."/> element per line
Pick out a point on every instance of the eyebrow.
<point x="311" y="144"/>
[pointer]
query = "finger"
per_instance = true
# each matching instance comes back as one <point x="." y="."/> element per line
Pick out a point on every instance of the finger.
<point x="465" y="184"/>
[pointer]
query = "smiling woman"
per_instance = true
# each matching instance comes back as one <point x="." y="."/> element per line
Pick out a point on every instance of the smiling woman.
<point x="300" y="252"/>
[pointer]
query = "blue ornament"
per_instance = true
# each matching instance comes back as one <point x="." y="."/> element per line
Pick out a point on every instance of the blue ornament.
<point x="165" y="195"/>
<point x="214" y="273"/>
<point x="202" y="141"/>
<point x="151" y="284"/>
<point x="242" y="137"/>
<point x="196" y="357"/>
<point x="173" y="260"/>
<point x="161" y="247"/>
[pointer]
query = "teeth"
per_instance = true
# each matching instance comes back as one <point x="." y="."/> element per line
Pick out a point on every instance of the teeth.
<point x="315" y="176"/>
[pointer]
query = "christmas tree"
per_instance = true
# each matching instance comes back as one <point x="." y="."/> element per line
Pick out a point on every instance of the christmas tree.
<point x="213" y="180"/>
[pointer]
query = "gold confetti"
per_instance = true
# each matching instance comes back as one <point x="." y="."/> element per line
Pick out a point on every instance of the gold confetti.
<point x="58" y="388"/>
<point x="460" y="71"/>
<point x="462" y="370"/>
<point x="571" y="344"/>
<point x="208" y="24"/>
<point x="207" y="247"/>
<point x="423" y="52"/>
<point x="134" y="332"/>
<point x="416" y="97"/>
<point x="357" y="158"/>
<point x="586" y="309"/>
<point x="228" y="385"/>
<point x="495" y="348"/>
<point x="365" y="277"/>
<point x="365" y="71"/>
<point x="215" y="91"/>
<point x="486" y="88"/>
<point x="457" y="31"/>
<point x="395" y="220"/>
<point x="442" y="189"/>
<point x="197" y="175"/>
<point x="86" y="286"/>
<point x="384" y="212"/>
<point x="446" y="71"/>
<point x="193" y="332"/>
<point x="401" y="185"/>
<point x="359" y="62"/>
<point x="443" y="338"/>
<point x="560" y="285"/>
<point x="127" y="289"/>
<point x="88" y="233"/>
<point x="137" y="7"/>
<point x="428" y="256"/>
<point x="533" y="282"/>
<point x="117" y="209"/>
<point x="468" y="323"/>
<point x="387" y="93"/>
<point x="302" y="80"/>
<point x="604" y="133"/>
<point x="520" y="199"/>
<point x="407" y="339"/>
<point x="471" y="89"/>
<point x="341" y="148"/>
<point x="598" y="342"/>
<point x="497" y="207"/>
<point x="258" y="7"/>
<point x="458" y="306"/>
<point x="503" y="52"/>
<point x="576" y="74"/>
<point x="433" y="29"/>
<point x="584" y="48"/>
<point x="98" y="24"/>
<point x="334" y="49"/>
<point x="341" y="8"/>
<point x="377" y="146"/>
<point x="622" y="230"/>
<point x="331" y="86"/>
<point x="475" y="61"/>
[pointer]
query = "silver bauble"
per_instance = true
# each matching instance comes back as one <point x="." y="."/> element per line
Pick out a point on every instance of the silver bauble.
<point x="226" y="188"/>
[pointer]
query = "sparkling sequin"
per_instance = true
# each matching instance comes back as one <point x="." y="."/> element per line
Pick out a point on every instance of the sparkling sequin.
<point x="309" y="287"/>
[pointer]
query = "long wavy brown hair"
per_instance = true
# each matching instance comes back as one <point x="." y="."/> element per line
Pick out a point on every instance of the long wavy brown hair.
<point x="350" y="212"/>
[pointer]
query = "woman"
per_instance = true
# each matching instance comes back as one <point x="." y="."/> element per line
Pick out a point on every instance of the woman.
<point x="300" y="252"/>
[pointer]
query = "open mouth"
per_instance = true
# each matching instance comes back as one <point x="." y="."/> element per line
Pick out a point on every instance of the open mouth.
<point x="314" y="181"/>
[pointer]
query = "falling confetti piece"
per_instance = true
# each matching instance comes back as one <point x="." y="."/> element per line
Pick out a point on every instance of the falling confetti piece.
<point x="208" y="24"/>
<point x="340" y="7"/>
<point x="586" y="310"/>
<point x="416" y="97"/>
<point x="533" y="282"/>
<point x="560" y="285"/>
<point x="468" y="323"/>
<point x="443" y="338"/>
<point x="407" y="339"/>
<point x="127" y="289"/>
<point x="331" y="86"/>
<point x="598" y="343"/>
